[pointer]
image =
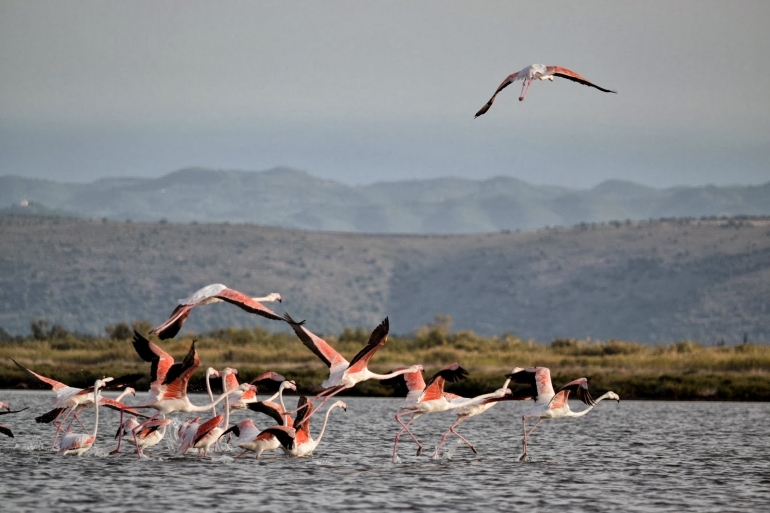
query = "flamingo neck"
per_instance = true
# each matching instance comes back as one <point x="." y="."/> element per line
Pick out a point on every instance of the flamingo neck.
<point x="323" y="428"/>
<point x="96" y="414"/>
<point x="472" y="401"/>
<point x="211" y="395"/>
<point x="391" y="375"/>
<point x="265" y="299"/>
<point x="193" y="408"/>
<point x="227" y="401"/>
<point x="583" y="412"/>
<point x="123" y="394"/>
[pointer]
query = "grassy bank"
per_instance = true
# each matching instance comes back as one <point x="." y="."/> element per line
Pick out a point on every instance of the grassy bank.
<point x="677" y="371"/>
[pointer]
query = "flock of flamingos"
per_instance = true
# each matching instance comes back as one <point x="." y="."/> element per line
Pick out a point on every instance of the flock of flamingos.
<point x="168" y="389"/>
<point x="169" y="380"/>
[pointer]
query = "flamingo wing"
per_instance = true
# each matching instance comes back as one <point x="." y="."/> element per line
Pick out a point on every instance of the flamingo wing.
<point x="247" y="303"/>
<point x="377" y="339"/>
<point x="6" y="431"/>
<point x="537" y="378"/>
<point x="319" y="346"/>
<point x="580" y="387"/>
<point x="571" y="75"/>
<point x="268" y="378"/>
<point x="13" y="411"/>
<point x="47" y="418"/>
<point x="304" y="409"/>
<point x="55" y="385"/>
<point x="121" y="382"/>
<point x="285" y="435"/>
<point x="435" y="387"/>
<point x="205" y="428"/>
<point x="270" y="409"/>
<point x="173" y="324"/>
<point x="160" y="360"/>
<point x="505" y="83"/>
<point x="118" y="406"/>
<point x="180" y="373"/>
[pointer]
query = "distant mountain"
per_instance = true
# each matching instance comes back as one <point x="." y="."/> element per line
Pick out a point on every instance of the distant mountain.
<point x="661" y="281"/>
<point x="290" y="198"/>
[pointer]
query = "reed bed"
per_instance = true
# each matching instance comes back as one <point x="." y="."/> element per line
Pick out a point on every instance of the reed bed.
<point x="683" y="370"/>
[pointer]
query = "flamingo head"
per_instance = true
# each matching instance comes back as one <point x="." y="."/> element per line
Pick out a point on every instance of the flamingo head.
<point x="340" y="404"/>
<point x="290" y="384"/>
<point x="415" y="368"/>
<point x="274" y="296"/>
<point x="211" y="372"/>
<point x="247" y="386"/>
<point x="229" y="370"/>
<point x="131" y="391"/>
<point x="613" y="396"/>
<point x="5" y="405"/>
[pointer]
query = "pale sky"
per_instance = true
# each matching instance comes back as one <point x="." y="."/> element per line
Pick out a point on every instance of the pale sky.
<point x="362" y="92"/>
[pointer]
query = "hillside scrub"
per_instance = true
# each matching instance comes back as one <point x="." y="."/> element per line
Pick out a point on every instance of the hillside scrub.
<point x="682" y="370"/>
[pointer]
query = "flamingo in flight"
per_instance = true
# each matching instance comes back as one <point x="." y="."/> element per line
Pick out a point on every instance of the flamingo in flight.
<point x="214" y="293"/>
<point x="79" y="443"/>
<point x="467" y="412"/>
<point x="425" y="398"/>
<point x="550" y="405"/>
<point x="538" y="72"/>
<point x="169" y="380"/>
<point x="296" y="441"/>
<point x="5" y="429"/>
<point x="344" y="374"/>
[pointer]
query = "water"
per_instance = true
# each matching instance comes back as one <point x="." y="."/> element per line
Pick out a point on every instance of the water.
<point x="632" y="456"/>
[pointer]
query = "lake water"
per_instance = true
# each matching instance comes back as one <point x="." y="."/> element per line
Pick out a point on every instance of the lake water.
<point x="632" y="456"/>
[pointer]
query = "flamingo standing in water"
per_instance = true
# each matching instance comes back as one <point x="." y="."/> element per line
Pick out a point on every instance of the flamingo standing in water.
<point x="550" y="405"/>
<point x="297" y="441"/>
<point x="168" y="386"/>
<point x="151" y="434"/>
<point x="429" y="398"/>
<point x="538" y="72"/>
<point x="80" y="443"/>
<point x="5" y="429"/>
<point x="214" y="293"/>
<point x="342" y="374"/>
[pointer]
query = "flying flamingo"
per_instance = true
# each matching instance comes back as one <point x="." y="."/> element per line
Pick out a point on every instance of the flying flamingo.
<point x="342" y="374"/>
<point x="550" y="405"/>
<point x="539" y="72"/>
<point x="5" y="429"/>
<point x="429" y="398"/>
<point x="168" y="386"/>
<point x="297" y="441"/>
<point x="214" y="293"/>
<point x="467" y="412"/>
<point x="80" y="443"/>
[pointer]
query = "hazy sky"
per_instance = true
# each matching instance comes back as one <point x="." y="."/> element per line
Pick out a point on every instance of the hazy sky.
<point x="378" y="91"/>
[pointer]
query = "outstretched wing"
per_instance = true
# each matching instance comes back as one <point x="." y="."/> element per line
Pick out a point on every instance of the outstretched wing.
<point x="160" y="360"/>
<point x="179" y="374"/>
<point x="376" y="340"/>
<point x="537" y="378"/>
<point x="55" y="385"/>
<point x="571" y="75"/>
<point x="285" y="435"/>
<point x="505" y="83"/>
<point x="268" y="379"/>
<point x="270" y="409"/>
<point x="47" y="418"/>
<point x="580" y="387"/>
<point x="319" y="346"/>
<point x="13" y="411"/>
<point x="206" y="427"/>
<point x="435" y="387"/>
<point x="173" y="324"/>
<point x="247" y="303"/>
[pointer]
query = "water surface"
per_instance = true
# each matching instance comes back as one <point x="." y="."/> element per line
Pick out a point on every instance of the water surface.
<point x="632" y="456"/>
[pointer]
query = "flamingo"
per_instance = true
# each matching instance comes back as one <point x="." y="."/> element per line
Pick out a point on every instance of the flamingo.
<point x="550" y="405"/>
<point x="539" y="72"/>
<point x="429" y="398"/>
<point x="342" y="374"/>
<point x="5" y="429"/>
<point x="249" y="437"/>
<point x="77" y="444"/>
<point x="151" y="434"/>
<point x="168" y="386"/>
<point x="297" y="441"/>
<point x="214" y="293"/>
<point x="467" y="412"/>
<point x="248" y="397"/>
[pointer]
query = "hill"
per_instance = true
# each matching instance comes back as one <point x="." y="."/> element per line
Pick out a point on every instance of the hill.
<point x="660" y="281"/>
<point x="294" y="199"/>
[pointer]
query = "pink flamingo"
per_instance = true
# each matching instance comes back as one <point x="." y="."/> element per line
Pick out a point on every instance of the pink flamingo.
<point x="472" y="410"/>
<point x="429" y="398"/>
<point x="5" y="429"/>
<point x="538" y="72"/>
<point x="77" y="444"/>
<point x="248" y="435"/>
<point x="342" y="374"/>
<point x="240" y="401"/>
<point x="550" y="405"/>
<point x="297" y="441"/>
<point x="214" y="293"/>
<point x="151" y="434"/>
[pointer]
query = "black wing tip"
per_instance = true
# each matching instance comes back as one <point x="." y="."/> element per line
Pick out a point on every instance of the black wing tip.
<point x="286" y="317"/>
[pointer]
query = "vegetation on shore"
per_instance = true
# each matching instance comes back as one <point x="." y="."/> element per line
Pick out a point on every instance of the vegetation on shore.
<point x="683" y="370"/>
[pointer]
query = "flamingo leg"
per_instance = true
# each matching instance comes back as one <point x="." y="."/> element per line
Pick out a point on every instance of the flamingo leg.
<point x="451" y="430"/>
<point x="59" y="425"/>
<point x="75" y="414"/>
<point x="525" y="89"/>
<point x="406" y="428"/>
<point x="526" y="434"/>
